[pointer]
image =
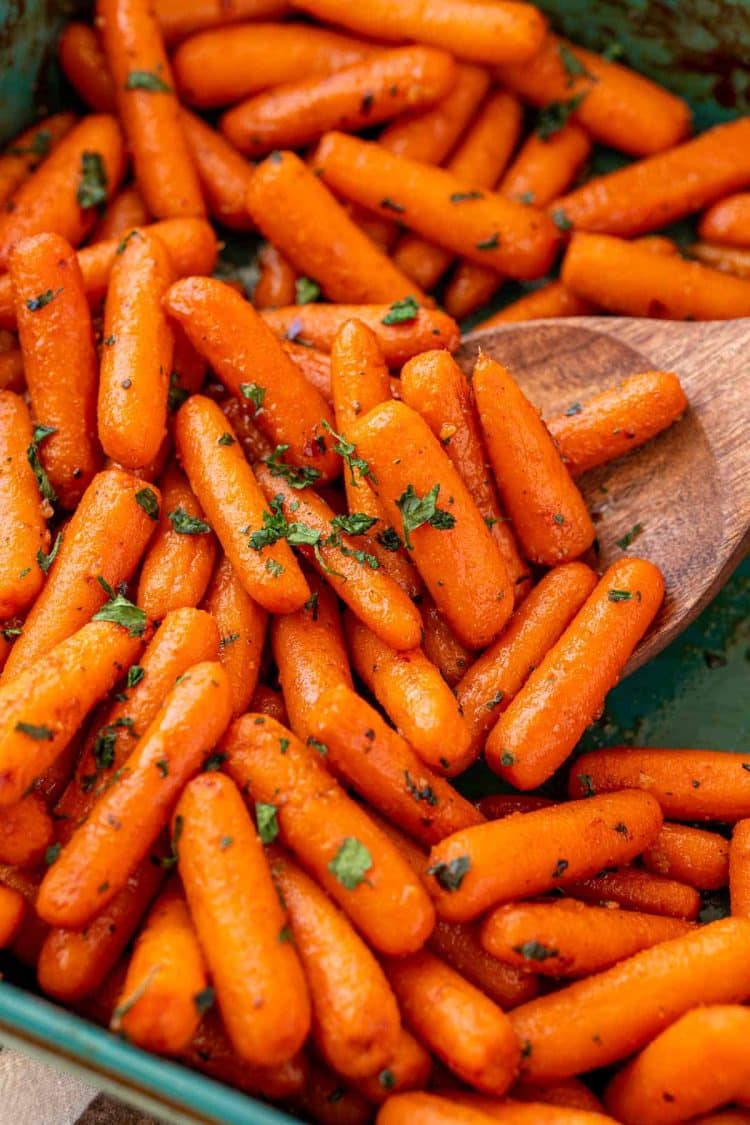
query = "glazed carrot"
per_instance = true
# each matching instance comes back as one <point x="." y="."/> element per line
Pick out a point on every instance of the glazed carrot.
<point x="310" y="653"/>
<point x="435" y="386"/>
<point x="368" y="591"/>
<point x="137" y="354"/>
<point x="415" y="697"/>
<point x="32" y="932"/>
<point x="567" y="939"/>
<point x="179" y="18"/>
<point x="11" y="371"/>
<point x="276" y="284"/>
<point x="398" y="341"/>
<point x="148" y="108"/>
<point x="178" y="565"/>
<point x="82" y="61"/>
<point x="26" y="151"/>
<point x="355" y="1021"/>
<point x="185" y="637"/>
<point x="728" y="221"/>
<point x="96" y="862"/>
<point x="460" y="946"/>
<point x="459" y="1024"/>
<point x="242" y="627"/>
<point x="126" y="211"/>
<point x="260" y="987"/>
<point x="223" y="174"/>
<point x="243" y="353"/>
<point x="690" y="855"/>
<point x="441" y="645"/>
<point x="570" y="1093"/>
<point x="635" y="889"/>
<point x="62" y="196"/>
<point x="496" y="677"/>
<point x="381" y="766"/>
<point x="567" y="690"/>
<point x="212" y="1053"/>
<point x="24" y="536"/>
<point x="429" y="1109"/>
<point x="240" y="414"/>
<point x="512" y="1112"/>
<point x="510" y="237"/>
<point x="480" y="32"/>
<point x="230" y="496"/>
<point x="26" y="831"/>
<point x="12" y="910"/>
<point x="724" y="258"/>
<point x="73" y="963"/>
<point x="299" y="215"/>
<point x="430" y="134"/>
<point x="408" y="1068"/>
<point x="314" y="365"/>
<point x="331" y="836"/>
<point x="688" y="784"/>
<point x="698" y="1064"/>
<point x="739" y="870"/>
<point x="160" y="1005"/>
<point x="266" y="701"/>
<point x="43" y="706"/>
<point x="619" y="1010"/>
<point x="442" y="537"/>
<point x="497" y="805"/>
<point x="548" y="512"/>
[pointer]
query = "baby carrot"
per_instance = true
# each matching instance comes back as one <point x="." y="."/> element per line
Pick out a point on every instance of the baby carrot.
<point x="160" y="1005"/>
<point x="725" y="258"/>
<point x="567" y="690"/>
<point x="24" y="537"/>
<point x="180" y="18"/>
<point x="430" y="134"/>
<point x="352" y="572"/>
<point x="690" y="855"/>
<point x="260" y="987"/>
<point x="382" y="767"/>
<point x="332" y="836"/>
<point x="266" y="701"/>
<point x="95" y="863"/>
<point x="511" y="237"/>
<point x="277" y="282"/>
<point x="478" y="31"/>
<point x="242" y="627"/>
<point x="570" y="1093"/>
<point x="398" y="340"/>
<point x="567" y="939"/>
<point x="435" y="386"/>
<point x="440" y="644"/>
<point x="632" y="888"/>
<point x="11" y="371"/>
<point x="408" y="1068"/>
<point x="413" y="476"/>
<point x="467" y="1032"/>
<point x="178" y="565"/>
<point x="82" y="61"/>
<point x="429" y="1109"/>
<point x="688" y="784"/>
<point x="739" y="870"/>
<point x="26" y="151"/>
<point x="496" y="677"/>
<point x="415" y="697"/>
<point x="310" y="653"/>
<point x="698" y="1064"/>
<point x="596" y="1021"/>
<point x="229" y="494"/>
<point x="12" y="910"/>
<point x="299" y="215"/>
<point x="212" y="1053"/>
<point x="551" y="300"/>
<point x="459" y="945"/>
<point x="355" y="1020"/>
<point x="223" y="174"/>
<point x="728" y="221"/>
<point x="227" y="331"/>
<point x="126" y="211"/>
<point x="548" y="512"/>
<point x="148" y="108"/>
<point x="26" y="831"/>
<point x="62" y="196"/>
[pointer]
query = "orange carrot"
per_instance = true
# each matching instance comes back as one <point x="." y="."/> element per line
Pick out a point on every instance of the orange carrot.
<point x="688" y="784"/>
<point x="26" y="151"/>
<point x="148" y="108"/>
<point x="739" y="870"/>
<point x="440" y="644"/>
<point x="97" y="861"/>
<point x="333" y="838"/>
<point x="430" y="134"/>
<point x="484" y="227"/>
<point x="567" y="690"/>
<point x="635" y="889"/>
<point x="430" y="1109"/>
<point x="460" y="946"/>
<point x="690" y="855"/>
<point x="242" y="633"/>
<point x="212" y="1053"/>
<point x="550" y="300"/>
<point x="179" y="18"/>
<point x="82" y="61"/>
<point x="497" y="805"/>
<point x="567" y="939"/>
<point x="223" y="174"/>
<point x="725" y="258"/>
<point x="26" y="832"/>
<point x="548" y="512"/>
<point x="408" y="1068"/>
<point x="24" y="537"/>
<point x="314" y="365"/>
<point x="62" y="196"/>
<point x="12" y="910"/>
<point x="480" y="32"/>
<point x="569" y="1093"/>
<point x="496" y="677"/>
<point x="728" y="221"/>
<point x="276" y="284"/>
<point x="266" y="701"/>
<point x="11" y="371"/>
<point x="161" y="1002"/>
<point x="126" y="211"/>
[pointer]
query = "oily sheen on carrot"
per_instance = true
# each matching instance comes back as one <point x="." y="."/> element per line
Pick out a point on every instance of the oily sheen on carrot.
<point x="178" y="19"/>
<point x="223" y="174"/>
<point x="242" y="625"/>
<point x="126" y="211"/>
<point x="632" y="888"/>
<point x="276" y="284"/>
<point x="551" y="300"/>
<point x="728" y="221"/>
<point x="739" y="870"/>
<point x="690" y="855"/>
<point x="22" y="511"/>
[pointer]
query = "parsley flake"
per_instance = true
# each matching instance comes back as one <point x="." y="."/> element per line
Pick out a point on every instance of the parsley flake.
<point x="38" y="733"/>
<point x="554" y="116"/>
<point x="42" y="299"/>
<point x="204" y="1000"/>
<point x="356" y="523"/>
<point x="268" y="825"/>
<point x="92" y="188"/>
<point x="52" y="853"/>
<point x="619" y="595"/>
<point x="346" y="451"/>
<point x="351" y="863"/>
<point x="147" y="80"/>
<point x="389" y="204"/>
<point x="32" y="453"/>
<point x="296" y="476"/>
<point x="120" y="611"/>
<point x="490" y="243"/>
<point x="495" y="701"/>
<point x="185" y="524"/>
<point x="275" y="569"/>
<point x="402" y="312"/>
<point x="630" y="536"/>
<point x="226" y="439"/>
<point x="450" y="875"/>
<point x="535" y="951"/>
<point x="419" y="793"/>
<point x="146" y="498"/>
<point x="573" y="66"/>
<point x="255" y="394"/>
<point x="464" y="196"/>
<point x="416" y="511"/>
<point x="306" y="290"/>
<point x="46" y="561"/>
<point x="135" y="675"/>
<point x="560" y="219"/>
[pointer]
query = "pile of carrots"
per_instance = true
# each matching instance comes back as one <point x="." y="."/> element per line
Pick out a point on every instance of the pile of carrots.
<point x="274" y="571"/>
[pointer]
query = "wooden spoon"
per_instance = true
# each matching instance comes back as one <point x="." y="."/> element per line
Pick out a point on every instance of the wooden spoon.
<point x="689" y="488"/>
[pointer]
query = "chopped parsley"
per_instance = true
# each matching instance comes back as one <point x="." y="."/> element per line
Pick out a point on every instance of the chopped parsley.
<point x="402" y="312"/>
<point x="554" y="116"/>
<point x="389" y="204"/>
<point x="630" y="536"/>
<point x="356" y="523"/>
<point x="416" y="511"/>
<point x="274" y="568"/>
<point x="535" y="951"/>
<point x="389" y="539"/>
<point x="298" y="477"/>
<point x="52" y="854"/>
<point x="204" y="1000"/>
<point x="120" y="611"/>
<point x="560" y="219"/>
<point x="177" y="394"/>
<point x="573" y="66"/>
<point x="123" y="243"/>
<point x="163" y="767"/>
<point x="463" y="196"/>
<point x="619" y="595"/>
<point x="255" y="394"/>
<point x="226" y="439"/>
<point x="346" y="451"/>
<point x="38" y="733"/>
<point x="146" y="498"/>
<point x="147" y="80"/>
<point x="490" y="243"/>
<point x="92" y="187"/>
<point x="268" y="825"/>
<point x="306" y="290"/>
<point x="496" y="700"/>
<point x="34" y="304"/>
<point x="419" y="793"/>
<point x="185" y="524"/>
<point x="351" y="863"/>
<point x="214" y="761"/>
<point x="46" y="561"/>
<point x="586" y="782"/>
<point x="450" y="875"/>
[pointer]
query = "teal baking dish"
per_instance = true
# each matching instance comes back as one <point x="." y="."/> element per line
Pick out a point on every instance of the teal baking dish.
<point x="693" y="694"/>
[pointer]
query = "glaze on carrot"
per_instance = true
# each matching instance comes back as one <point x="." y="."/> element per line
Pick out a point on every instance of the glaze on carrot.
<point x="24" y="536"/>
<point x="632" y="888"/>
<point x="277" y="282"/>
<point x="242" y="625"/>
<point x="223" y="174"/>
<point x="690" y="855"/>
<point x="550" y="300"/>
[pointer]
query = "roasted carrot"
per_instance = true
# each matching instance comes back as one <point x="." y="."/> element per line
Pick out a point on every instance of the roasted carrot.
<point x="26" y="831"/>
<point x="178" y="18"/>
<point x="480" y="32"/>
<point x="12" y="910"/>
<point x="408" y="1068"/>
<point x="632" y="888"/>
<point x="728" y="221"/>
<point x="550" y="300"/>
<point x="63" y="194"/>
<point x="126" y="211"/>
<point x="355" y="1020"/>
<point x="496" y="677"/>
<point x="277" y="282"/>
<point x="739" y="870"/>
<point x="11" y="371"/>
<point x="24" y="536"/>
<point x="512" y="238"/>
<point x="611" y="1014"/>
<point x="568" y="939"/>
<point x="223" y="174"/>
<point x="212" y="1053"/>
<point x="459" y="945"/>
<point x="688" y="784"/>
<point x="548" y="512"/>
<point x="690" y="855"/>
<point x="26" y="151"/>
<point x="725" y="258"/>
<point x="567" y="690"/>
<point x="96" y="862"/>
<point x="698" y="1064"/>
<point x="315" y="365"/>
<point x="161" y="1002"/>
<point x="242" y="627"/>
<point x="332" y="837"/>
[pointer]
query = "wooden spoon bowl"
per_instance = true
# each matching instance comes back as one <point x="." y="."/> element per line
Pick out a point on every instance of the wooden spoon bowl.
<point x="689" y="488"/>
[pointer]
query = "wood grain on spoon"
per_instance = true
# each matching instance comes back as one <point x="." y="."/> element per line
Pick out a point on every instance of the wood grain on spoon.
<point x="688" y="488"/>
